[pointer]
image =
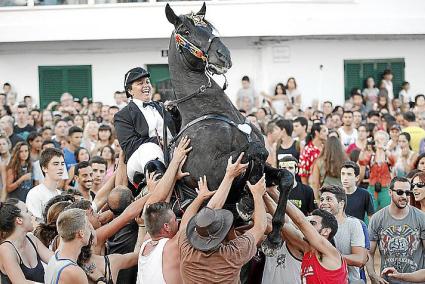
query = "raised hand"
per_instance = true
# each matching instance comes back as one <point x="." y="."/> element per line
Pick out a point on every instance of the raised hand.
<point x="235" y="169"/>
<point x="151" y="180"/>
<point x="203" y="191"/>
<point x="258" y="189"/>
<point x="182" y="149"/>
<point x="180" y="174"/>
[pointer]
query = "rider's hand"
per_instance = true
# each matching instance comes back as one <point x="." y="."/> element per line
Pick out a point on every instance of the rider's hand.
<point x="233" y="170"/>
<point x="182" y="149"/>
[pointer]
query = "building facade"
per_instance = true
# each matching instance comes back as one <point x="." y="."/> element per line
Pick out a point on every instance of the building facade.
<point x="329" y="46"/>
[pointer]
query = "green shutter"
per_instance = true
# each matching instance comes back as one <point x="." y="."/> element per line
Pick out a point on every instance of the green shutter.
<point x="380" y="71"/>
<point x="398" y="76"/>
<point x="159" y="73"/>
<point x="352" y="77"/>
<point x="368" y="71"/>
<point x="357" y="71"/>
<point x="79" y="81"/>
<point x="56" y="80"/>
<point x="51" y="85"/>
<point x="161" y="80"/>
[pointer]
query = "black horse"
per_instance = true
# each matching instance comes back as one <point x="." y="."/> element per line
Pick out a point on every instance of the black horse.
<point x="216" y="128"/>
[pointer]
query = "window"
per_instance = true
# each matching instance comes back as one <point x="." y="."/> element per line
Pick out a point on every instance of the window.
<point x="118" y="1"/>
<point x="357" y="71"/>
<point x="60" y="2"/>
<point x="160" y="79"/>
<point x="56" y="80"/>
<point x="5" y="3"/>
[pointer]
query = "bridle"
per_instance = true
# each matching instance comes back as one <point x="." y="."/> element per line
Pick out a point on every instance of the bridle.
<point x="183" y="43"/>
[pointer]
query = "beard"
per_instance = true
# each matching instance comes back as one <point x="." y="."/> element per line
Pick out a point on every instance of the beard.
<point x="401" y="204"/>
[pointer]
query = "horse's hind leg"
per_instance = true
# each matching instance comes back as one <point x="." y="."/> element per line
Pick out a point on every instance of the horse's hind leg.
<point x="285" y="180"/>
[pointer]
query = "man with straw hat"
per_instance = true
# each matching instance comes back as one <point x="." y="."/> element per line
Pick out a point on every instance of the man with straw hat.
<point x="210" y="252"/>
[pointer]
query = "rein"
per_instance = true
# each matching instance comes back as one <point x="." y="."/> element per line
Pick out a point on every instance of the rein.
<point x="183" y="43"/>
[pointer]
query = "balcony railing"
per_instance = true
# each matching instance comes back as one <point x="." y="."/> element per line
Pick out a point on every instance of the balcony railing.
<point x="23" y="4"/>
<point x="32" y="3"/>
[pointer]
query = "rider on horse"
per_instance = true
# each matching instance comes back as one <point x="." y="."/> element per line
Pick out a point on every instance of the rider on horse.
<point x="140" y="127"/>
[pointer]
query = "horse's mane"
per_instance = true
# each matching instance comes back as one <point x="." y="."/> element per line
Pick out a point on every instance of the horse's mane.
<point x="207" y="22"/>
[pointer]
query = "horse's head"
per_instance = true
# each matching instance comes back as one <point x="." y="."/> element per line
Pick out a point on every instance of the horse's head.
<point x="198" y="45"/>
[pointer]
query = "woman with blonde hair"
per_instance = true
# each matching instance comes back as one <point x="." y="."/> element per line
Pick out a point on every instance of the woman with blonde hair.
<point x="90" y="135"/>
<point x="377" y="157"/>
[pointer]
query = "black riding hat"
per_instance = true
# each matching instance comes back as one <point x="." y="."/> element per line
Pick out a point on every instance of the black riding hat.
<point x="133" y="75"/>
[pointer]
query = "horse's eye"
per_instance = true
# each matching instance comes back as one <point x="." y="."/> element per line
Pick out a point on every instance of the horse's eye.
<point x="187" y="33"/>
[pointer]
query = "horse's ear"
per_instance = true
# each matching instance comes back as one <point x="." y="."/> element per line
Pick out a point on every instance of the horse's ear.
<point x="171" y="16"/>
<point x="203" y="10"/>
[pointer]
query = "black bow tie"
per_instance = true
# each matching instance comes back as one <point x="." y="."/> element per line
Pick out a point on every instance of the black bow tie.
<point x="149" y="104"/>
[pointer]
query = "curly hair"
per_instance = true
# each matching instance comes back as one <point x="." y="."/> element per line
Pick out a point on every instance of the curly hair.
<point x="15" y="162"/>
<point x="46" y="232"/>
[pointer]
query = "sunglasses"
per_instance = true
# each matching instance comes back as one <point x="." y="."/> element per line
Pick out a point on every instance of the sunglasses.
<point x="418" y="185"/>
<point x="400" y="192"/>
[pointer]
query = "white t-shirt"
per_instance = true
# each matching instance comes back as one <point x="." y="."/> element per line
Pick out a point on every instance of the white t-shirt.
<point x="37" y="199"/>
<point x="347" y="139"/>
<point x="389" y="86"/>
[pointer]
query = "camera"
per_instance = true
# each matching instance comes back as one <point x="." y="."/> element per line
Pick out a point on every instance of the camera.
<point x="378" y="187"/>
<point x="370" y="144"/>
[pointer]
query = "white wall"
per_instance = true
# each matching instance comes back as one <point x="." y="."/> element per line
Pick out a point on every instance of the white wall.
<point x="307" y="55"/>
<point x="234" y="18"/>
<point x="111" y="59"/>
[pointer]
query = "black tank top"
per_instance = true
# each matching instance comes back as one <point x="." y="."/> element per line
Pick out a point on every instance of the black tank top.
<point x="288" y="151"/>
<point x="34" y="274"/>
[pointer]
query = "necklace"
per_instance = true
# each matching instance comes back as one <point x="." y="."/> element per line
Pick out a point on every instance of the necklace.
<point x="89" y="268"/>
<point x="154" y="243"/>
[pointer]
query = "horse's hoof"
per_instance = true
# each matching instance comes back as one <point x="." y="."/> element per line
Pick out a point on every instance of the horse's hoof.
<point x="243" y="213"/>
<point x="270" y="248"/>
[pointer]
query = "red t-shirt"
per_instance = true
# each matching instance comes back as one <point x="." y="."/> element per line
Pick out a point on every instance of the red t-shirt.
<point x="312" y="272"/>
<point x="351" y="148"/>
<point x="309" y="154"/>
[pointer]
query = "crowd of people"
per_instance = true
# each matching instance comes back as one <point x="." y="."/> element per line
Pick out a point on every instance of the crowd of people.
<point x="78" y="207"/>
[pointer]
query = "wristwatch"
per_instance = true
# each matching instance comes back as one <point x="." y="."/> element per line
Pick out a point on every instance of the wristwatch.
<point x="101" y="280"/>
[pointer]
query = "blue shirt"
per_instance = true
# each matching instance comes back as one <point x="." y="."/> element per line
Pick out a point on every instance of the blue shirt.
<point x="69" y="158"/>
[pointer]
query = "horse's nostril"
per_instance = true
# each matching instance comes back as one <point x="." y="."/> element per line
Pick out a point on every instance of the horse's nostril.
<point x="222" y="56"/>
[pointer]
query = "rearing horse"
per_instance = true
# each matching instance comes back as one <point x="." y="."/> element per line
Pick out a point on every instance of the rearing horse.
<point x="216" y="128"/>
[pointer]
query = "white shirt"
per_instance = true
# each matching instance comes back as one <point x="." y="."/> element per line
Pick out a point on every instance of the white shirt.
<point x="347" y="139"/>
<point x="37" y="199"/>
<point x="282" y="268"/>
<point x="389" y="86"/>
<point x="153" y="118"/>
<point x="150" y="266"/>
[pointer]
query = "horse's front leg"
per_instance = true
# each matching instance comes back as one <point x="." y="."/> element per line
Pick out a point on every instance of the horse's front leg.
<point x="285" y="180"/>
